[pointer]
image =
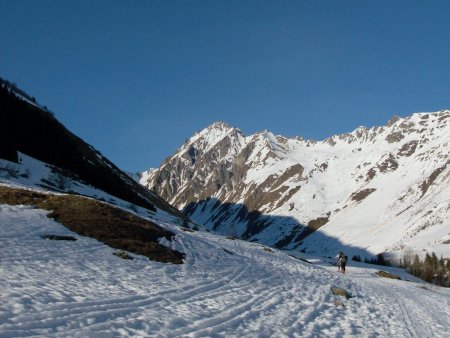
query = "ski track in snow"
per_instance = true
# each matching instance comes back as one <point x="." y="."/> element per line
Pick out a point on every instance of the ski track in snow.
<point x="79" y="289"/>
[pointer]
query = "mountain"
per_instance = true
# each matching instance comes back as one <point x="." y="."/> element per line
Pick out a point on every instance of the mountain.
<point x="65" y="226"/>
<point x="45" y="166"/>
<point x="374" y="190"/>
<point x="30" y="129"/>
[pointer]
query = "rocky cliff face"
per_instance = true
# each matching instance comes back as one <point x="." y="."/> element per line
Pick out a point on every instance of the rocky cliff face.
<point x="378" y="189"/>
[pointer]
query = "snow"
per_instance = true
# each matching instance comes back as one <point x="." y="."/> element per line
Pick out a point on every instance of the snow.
<point x="394" y="217"/>
<point x="226" y="288"/>
<point x="32" y="174"/>
<point x="211" y="136"/>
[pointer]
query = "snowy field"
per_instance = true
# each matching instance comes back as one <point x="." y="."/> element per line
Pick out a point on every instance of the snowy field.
<point x="226" y="288"/>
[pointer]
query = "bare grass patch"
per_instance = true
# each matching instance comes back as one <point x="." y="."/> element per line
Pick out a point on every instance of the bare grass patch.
<point x="108" y="224"/>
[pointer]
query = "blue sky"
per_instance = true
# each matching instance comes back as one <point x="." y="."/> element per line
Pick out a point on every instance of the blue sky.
<point x="136" y="78"/>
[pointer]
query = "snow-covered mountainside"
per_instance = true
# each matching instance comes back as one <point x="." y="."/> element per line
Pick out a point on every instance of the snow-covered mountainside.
<point x="379" y="189"/>
<point x="33" y="175"/>
<point x="225" y="288"/>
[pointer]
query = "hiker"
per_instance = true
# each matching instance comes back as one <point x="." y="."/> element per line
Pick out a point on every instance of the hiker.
<point x="338" y="259"/>
<point x="342" y="262"/>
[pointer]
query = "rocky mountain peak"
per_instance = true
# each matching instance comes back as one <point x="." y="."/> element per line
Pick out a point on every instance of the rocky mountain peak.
<point x="207" y="138"/>
<point x="215" y="129"/>
<point x="279" y="191"/>
<point x="393" y="120"/>
<point x="219" y="125"/>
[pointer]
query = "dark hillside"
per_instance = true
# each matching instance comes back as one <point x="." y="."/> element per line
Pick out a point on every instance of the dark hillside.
<point x="34" y="131"/>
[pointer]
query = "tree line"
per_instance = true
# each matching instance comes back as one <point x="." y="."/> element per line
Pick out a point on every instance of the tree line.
<point x="431" y="268"/>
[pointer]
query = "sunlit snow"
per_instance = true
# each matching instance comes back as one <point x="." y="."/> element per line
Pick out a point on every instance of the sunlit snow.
<point x="226" y="288"/>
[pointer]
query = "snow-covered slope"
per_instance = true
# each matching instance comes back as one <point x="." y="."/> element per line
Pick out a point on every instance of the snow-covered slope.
<point x="226" y="288"/>
<point x="38" y="176"/>
<point x="373" y="190"/>
<point x="32" y="130"/>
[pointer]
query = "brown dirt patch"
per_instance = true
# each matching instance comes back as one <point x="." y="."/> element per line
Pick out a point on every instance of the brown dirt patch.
<point x="408" y="149"/>
<point x="395" y="137"/>
<point x="318" y="222"/>
<point x="110" y="225"/>
<point x="429" y="181"/>
<point x="389" y="164"/>
<point x="312" y="226"/>
<point x="362" y="194"/>
<point x="443" y="117"/>
<point x="387" y="275"/>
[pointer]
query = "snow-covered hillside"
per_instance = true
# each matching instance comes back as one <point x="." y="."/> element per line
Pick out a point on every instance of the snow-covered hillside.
<point x="379" y="189"/>
<point x="34" y="174"/>
<point x="225" y="288"/>
<point x="30" y="129"/>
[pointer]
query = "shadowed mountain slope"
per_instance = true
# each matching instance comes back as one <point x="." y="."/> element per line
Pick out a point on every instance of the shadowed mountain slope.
<point x="31" y="129"/>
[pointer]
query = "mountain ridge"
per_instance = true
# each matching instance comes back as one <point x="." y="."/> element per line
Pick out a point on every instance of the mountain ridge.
<point x="31" y="129"/>
<point x="311" y="181"/>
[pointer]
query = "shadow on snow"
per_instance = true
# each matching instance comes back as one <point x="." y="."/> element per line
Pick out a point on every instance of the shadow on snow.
<point x="235" y="219"/>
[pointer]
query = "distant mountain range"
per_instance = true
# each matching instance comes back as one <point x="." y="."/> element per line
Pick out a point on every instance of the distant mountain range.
<point x="374" y="190"/>
<point x="379" y="189"/>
